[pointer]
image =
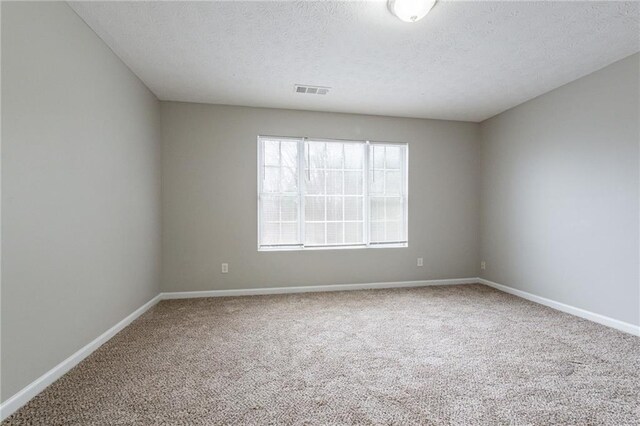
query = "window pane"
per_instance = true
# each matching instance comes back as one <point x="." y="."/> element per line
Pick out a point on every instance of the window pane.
<point x="270" y="233"/>
<point x="353" y="208"/>
<point x="315" y="155"/>
<point x="334" y="182"/>
<point x="377" y="156"/>
<point x="377" y="208"/>
<point x="289" y="209"/>
<point x="334" y="233"/>
<point x="387" y="180"/>
<point x="314" y="208"/>
<point x="289" y="233"/>
<point x="279" y="214"/>
<point x="393" y="231"/>
<point x="314" y="182"/>
<point x="272" y="153"/>
<point x="392" y="157"/>
<point x="393" y="209"/>
<point x="289" y="154"/>
<point x="333" y="186"/>
<point x="314" y="233"/>
<point x="353" y="156"/>
<point x="376" y="233"/>
<point x="376" y="182"/>
<point x="353" y="233"/>
<point x="334" y="155"/>
<point x="334" y="208"/>
<point x="392" y="183"/>
<point x="353" y="183"/>
<point x="270" y="212"/>
<point x="271" y="179"/>
<point x="288" y="180"/>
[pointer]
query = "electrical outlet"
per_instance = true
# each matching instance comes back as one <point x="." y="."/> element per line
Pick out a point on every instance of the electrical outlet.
<point x="420" y="261"/>
<point x="483" y="265"/>
<point x="225" y="268"/>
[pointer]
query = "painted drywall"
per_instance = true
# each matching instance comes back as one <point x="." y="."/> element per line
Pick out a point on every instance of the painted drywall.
<point x="80" y="190"/>
<point x="209" y="200"/>
<point x="560" y="188"/>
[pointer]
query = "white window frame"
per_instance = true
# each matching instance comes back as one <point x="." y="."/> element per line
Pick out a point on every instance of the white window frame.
<point x="365" y="199"/>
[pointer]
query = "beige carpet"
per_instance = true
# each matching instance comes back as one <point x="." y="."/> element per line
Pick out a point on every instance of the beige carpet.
<point x="464" y="355"/>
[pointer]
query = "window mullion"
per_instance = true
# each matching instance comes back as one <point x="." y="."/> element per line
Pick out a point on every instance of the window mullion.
<point x="261" y="163"/>
<point x="326" y="199"/>
<point x="344" y="231"/>
<point x="301" y="190"/>
<point x="404" y="175"/>
<point x="365" y="198"/>
<point x="280" y="191"/>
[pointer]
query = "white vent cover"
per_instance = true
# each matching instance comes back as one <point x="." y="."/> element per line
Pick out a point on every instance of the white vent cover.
<point x="311" y="90"/>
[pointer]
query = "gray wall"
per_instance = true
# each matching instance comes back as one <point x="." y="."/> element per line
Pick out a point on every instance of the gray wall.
<point x="560" y="194"/>
<point x="210" y="201"/>
<point x="81" y="194"/>
<point x="80" y="190"/>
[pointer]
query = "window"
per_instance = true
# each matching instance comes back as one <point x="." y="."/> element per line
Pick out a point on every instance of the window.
<point x="327" y="193"/>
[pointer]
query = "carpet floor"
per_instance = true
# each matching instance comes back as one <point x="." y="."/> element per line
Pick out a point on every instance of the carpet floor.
<point x="454" y="355"/>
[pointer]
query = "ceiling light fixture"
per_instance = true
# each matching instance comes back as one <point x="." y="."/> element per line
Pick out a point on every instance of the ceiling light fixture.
<point x="410" y="10"/>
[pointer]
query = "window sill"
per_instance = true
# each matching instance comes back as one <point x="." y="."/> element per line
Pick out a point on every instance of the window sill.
<point x="324" y="248"/>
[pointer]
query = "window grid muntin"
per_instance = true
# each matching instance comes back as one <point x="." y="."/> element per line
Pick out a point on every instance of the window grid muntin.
<point x="301" y="194"/>
<point x="384" y="195"/>
<point x="278" y="195"/>
<point x="321" y="164"/>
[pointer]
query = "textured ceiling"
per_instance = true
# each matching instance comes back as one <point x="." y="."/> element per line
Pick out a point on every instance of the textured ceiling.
<point x="464" y="61"/>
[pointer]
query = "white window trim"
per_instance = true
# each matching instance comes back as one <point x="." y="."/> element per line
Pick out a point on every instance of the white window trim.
<point x="365" y="198"/>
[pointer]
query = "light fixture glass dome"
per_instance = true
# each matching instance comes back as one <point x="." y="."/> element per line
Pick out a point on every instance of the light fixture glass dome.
<point x="410" y="10"/>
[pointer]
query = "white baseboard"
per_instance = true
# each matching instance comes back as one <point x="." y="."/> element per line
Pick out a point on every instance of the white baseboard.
<point x="22" y="397"/>
<point x="312" y="288"/>
<point x="12" y="404"/>
<point x="582" y="313"/>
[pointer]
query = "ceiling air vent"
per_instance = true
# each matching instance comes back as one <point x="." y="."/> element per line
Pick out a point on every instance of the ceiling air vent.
<point x="311" y="90"/>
